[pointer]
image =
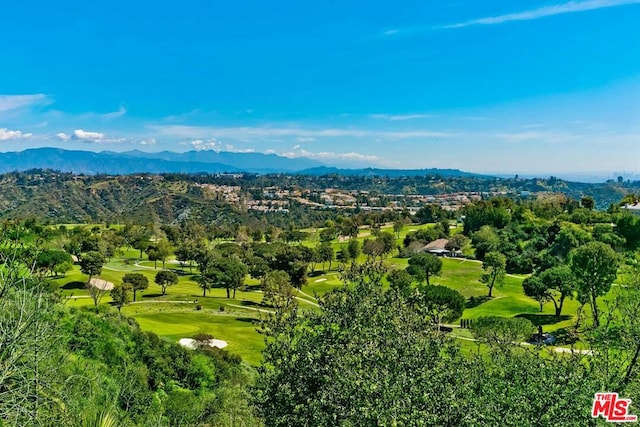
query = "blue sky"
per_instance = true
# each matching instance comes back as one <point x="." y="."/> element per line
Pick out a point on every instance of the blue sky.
<point x="497" y="86"/>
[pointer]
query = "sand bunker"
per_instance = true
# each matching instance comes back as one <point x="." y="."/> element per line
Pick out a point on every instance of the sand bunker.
<point x="192" y="344"/>
<point x="101" y="284"/>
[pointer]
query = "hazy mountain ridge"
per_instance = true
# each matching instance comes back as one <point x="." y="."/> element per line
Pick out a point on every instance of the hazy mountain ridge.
<point x="129" y="162"/>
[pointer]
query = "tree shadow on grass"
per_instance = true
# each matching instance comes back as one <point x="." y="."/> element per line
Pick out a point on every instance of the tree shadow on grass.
<point x="316" y="273"/>
<point x="543" y="319"/>
<point x="74" y="285"/>
<point x="476" y="301"/>
<point x="249" y="303"/>
<point x="151" y="295"/>
<point x="247" y="320"/>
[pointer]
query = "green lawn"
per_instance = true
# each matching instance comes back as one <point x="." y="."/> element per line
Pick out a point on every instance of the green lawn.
<point x="236" y="323"/>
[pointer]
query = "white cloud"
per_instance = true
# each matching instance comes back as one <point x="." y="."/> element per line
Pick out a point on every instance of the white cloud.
<point x="536" y="135"/>
<point x="150" y="141"/>
<point x="115" y="114"/>
<point x="89" y="136"/>
<point x="401" y="117"/>
<point x="17" y="102"/>
<point x="233" y="149"/>
<point x="200" y="145"/>
<point x="247" y="133"/>
<point x="527" y="15"/>
<point x="543" y="12"/>
<point x="6" y="134"/>
<point x="327" y="155"/>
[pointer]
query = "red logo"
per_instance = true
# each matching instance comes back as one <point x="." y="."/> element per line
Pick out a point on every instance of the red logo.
<point x="612" y="408"/>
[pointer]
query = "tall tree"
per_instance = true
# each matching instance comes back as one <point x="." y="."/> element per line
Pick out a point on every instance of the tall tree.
<point x="226" y="272"/>
<point x="494" y="265"/>
<point x="325" y="253"/>
<point x="595" y="266"/>
<point x="278" y="292"/>
<point x="120" y="295"/>
<point x="423" y="266"/>
<point x="163" y="249"/>
<point x="137" y="281"/>
<point x="400" y="281"/>
<point x="91" y="264"/>
<point x="554" y="284"/>
<point x="166" y="278"/>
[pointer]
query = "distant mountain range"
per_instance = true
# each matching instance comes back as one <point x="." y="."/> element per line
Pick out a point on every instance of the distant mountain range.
<point x="112" y="163"/>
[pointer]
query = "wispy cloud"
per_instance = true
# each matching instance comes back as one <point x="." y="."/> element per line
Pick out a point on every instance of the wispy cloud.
<point x="18" y="102"/>
<point x="115" y="114"/>
<point x="543" y="12"/>
<point x="247" y="133"/>
<point x="527" y="15"/>
<point x="7" y="135"/>
<point x="550" y="136"/>
<point x="401" y="117"/>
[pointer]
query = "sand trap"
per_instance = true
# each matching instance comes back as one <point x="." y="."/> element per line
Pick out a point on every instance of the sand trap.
<point x="573" y="350"/>
<point x="320" y="280"/>
<point x="101" y="284"/>
<point x="192" y="344"/>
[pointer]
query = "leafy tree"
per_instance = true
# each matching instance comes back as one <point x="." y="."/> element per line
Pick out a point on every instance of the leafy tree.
<point x="257" y="266"/>
<point x="595" y="266"/>
<point x="457" y="242"/>
<point x="257" y="234"/>
<point x="354" y="249"/>
<point x="398" y="225"/>
<point x="485" y="240"/>
<point x="348" y="228"/>
<point x="569" y="238"/>
<point x="49" y="260"/>
<point x="386" y="362"/>
<point x="187" y="252"/>
<point x="294" y="261"/>
<point x="91" y="264"/>
<point x="63" y="268"/>
<point x="225" y="272"/>
<point x="554" y="284"/>
<point x="535" y="288"/>
<point x="400" y="281"/>
<point x="441" y="303"/>
<point x="502" y="332"/>
<point x="166" y="278"/>
<point x="325" y="253"/>
<point x="628" y="227"/>
<point x="137" y="282"/>
<point x="303" y="381"/>
<point x="328" y="234"/>
<point x="120" y="295"/>
<point x="587" y="202"/>
<point x="388" y="242"/>
<point x="373" y="248"/>
<point x="163" y="250"/>
<point x="430" y="213"/>
<point x="278" y="292"/>
<point x="494" y="264"/>
<point x="423" y="266"/>
<point x="153" y="255"/>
